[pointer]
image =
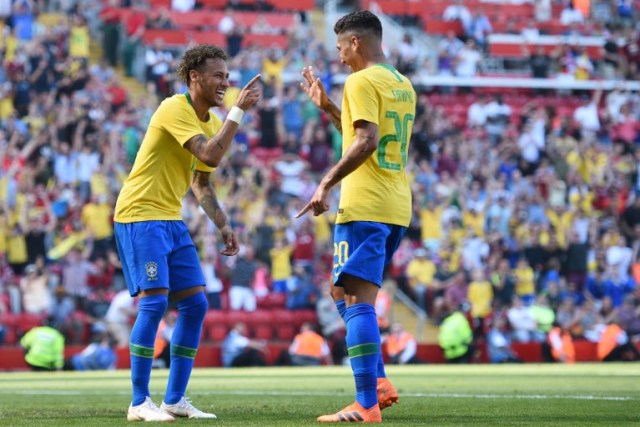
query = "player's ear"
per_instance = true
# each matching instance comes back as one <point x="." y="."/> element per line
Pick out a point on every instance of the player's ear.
<point x="193" y="75"/>
<point x="355" y="41"/>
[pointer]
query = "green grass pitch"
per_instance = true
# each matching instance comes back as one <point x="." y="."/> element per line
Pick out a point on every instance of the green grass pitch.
<point x="430" y="395"/>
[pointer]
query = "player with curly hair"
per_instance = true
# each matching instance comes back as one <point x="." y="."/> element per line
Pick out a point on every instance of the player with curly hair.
<point x="183" y="144"/>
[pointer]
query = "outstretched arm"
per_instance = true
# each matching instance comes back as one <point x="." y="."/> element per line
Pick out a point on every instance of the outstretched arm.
<point x="365" y="144"/>
<point x="206" y="196"/>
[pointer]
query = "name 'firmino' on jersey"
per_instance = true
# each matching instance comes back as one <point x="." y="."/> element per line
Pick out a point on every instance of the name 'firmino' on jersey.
<point x="379" y="189"/>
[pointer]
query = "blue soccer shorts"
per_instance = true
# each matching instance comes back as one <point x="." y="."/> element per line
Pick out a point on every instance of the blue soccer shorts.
<point x="158" y="254"/>
<point x="363" y="249"/>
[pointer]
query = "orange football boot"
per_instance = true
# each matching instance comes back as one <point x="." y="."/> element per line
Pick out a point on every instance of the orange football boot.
<point x="387" y="394"/>
<point x="354" y="413"/>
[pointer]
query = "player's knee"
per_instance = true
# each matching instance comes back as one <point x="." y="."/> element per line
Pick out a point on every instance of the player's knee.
<point x="156" y="304"/>
<point x="195" y="306"/>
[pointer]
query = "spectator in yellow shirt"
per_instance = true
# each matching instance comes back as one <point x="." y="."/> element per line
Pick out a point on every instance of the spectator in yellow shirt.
<point x="525" y="281"/>
<point x="480" y="296"/>
<point x="280" y="265"/>
<point x="97" y="217"/>
<point x="420" y="272"/>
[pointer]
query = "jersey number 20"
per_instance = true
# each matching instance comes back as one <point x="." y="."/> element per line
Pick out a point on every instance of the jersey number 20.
<point x="401" y="135"/>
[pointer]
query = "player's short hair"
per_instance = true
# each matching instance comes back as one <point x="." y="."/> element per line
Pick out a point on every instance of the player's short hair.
<point x="195" y="57"/>
<point x="360" y="22"/>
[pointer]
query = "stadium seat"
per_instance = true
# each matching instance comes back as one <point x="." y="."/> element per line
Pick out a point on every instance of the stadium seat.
<point x="159" y="3"/>
<point x="215" y="325"/>
<point x="266" y="41"/>
<point x="214" y="4"/>
<point x="303" y="316"/>
<point x="284" y="323"/>
<point x="195" y="20"/>
<point x="298" y="5"/>
<point x="260" y="324"/>
<point x="27" y="321"/>
<point x="9" y="321"/>
<point x="272" y="300"/>
<point x="210" y="37"/>
<point x="434" y="26"/>
<point x="397" y="8"/>
<point x="166" y="37"/>
<point x="235" y="316"/>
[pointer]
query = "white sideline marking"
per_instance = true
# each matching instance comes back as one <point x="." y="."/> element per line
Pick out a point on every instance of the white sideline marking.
<point x="302" y="393"/>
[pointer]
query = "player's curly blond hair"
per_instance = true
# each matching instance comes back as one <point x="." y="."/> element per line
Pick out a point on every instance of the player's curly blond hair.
<point x="195" y="57"/>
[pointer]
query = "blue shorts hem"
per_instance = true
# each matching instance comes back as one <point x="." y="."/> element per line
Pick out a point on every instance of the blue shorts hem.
<point x="357" y="274"/>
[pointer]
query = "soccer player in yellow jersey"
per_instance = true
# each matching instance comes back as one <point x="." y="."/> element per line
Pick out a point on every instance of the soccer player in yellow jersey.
<point x="376" y="119"/>
<point x="182" y="145"/>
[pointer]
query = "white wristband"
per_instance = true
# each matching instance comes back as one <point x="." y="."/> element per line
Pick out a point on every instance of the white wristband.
<point x="235" y="114"/>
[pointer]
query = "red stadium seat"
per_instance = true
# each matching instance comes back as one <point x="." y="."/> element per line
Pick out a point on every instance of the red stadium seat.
<point x="260" y="324"/>
<point x="236" y="316"/>
<point x="195" y="20"/>
<point x="159" y="3"/>
<point x="28" y="321"/>
<point x="209" y="37"/>
<point x="265" y="40"/>
<point x="272" y="300"/>
<point x="9" y="321"/>
<point x="399" y="8"/>
<point x="216" y="325"/>
<point x="166" y="37"/>
<point x="214" y="4"/>
<point x="304" y="316"/>
<point x="298" y="5"/>
<point x="433" y="26"/>
<point x="284" y="323"/>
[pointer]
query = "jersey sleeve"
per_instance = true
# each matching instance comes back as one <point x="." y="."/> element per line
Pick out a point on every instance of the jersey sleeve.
<point x="362" y="99"/>
<point x="177" y="117"/>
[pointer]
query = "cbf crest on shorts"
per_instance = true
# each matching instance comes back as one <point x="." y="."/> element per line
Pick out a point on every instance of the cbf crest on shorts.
<point x="152" y="270"/>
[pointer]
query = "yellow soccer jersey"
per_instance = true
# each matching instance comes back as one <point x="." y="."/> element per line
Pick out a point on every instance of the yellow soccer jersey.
<point x="379" y="189"/>
<point x="161" y="174"/>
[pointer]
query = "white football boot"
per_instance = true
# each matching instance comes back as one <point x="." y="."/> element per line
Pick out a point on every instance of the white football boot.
<point x="148" y="411"/>
<point x="184" y="408"/>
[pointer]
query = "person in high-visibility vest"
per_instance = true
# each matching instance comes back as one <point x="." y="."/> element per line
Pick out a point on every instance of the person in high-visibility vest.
<point x="456" y="338"/>
<point x="44" y="348"/>
<point x="309" y="348"/>
<point x="561" y="345"/>
<point x="162" y="345"/>
<point x="401" y="346"/>
<point x="614" y="345"/>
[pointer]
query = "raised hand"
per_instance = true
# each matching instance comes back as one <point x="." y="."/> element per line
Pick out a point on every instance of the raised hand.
<point x="250" y="94"/>
<point x="314" y="88"/>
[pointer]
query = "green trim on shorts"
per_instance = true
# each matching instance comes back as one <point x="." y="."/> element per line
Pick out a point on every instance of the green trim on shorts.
<point x="141" y="351"/>
<point x="186" y="352"/>
<point x="364" y="350"/>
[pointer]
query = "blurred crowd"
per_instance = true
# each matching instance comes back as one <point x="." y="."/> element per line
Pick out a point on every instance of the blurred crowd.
<point x="525" y="218"/>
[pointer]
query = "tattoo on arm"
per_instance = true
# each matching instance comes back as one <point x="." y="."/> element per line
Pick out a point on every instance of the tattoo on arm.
<point x="206" y="195"/>
<point x="197" y="145"/>
<point x="335" y="116"/>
